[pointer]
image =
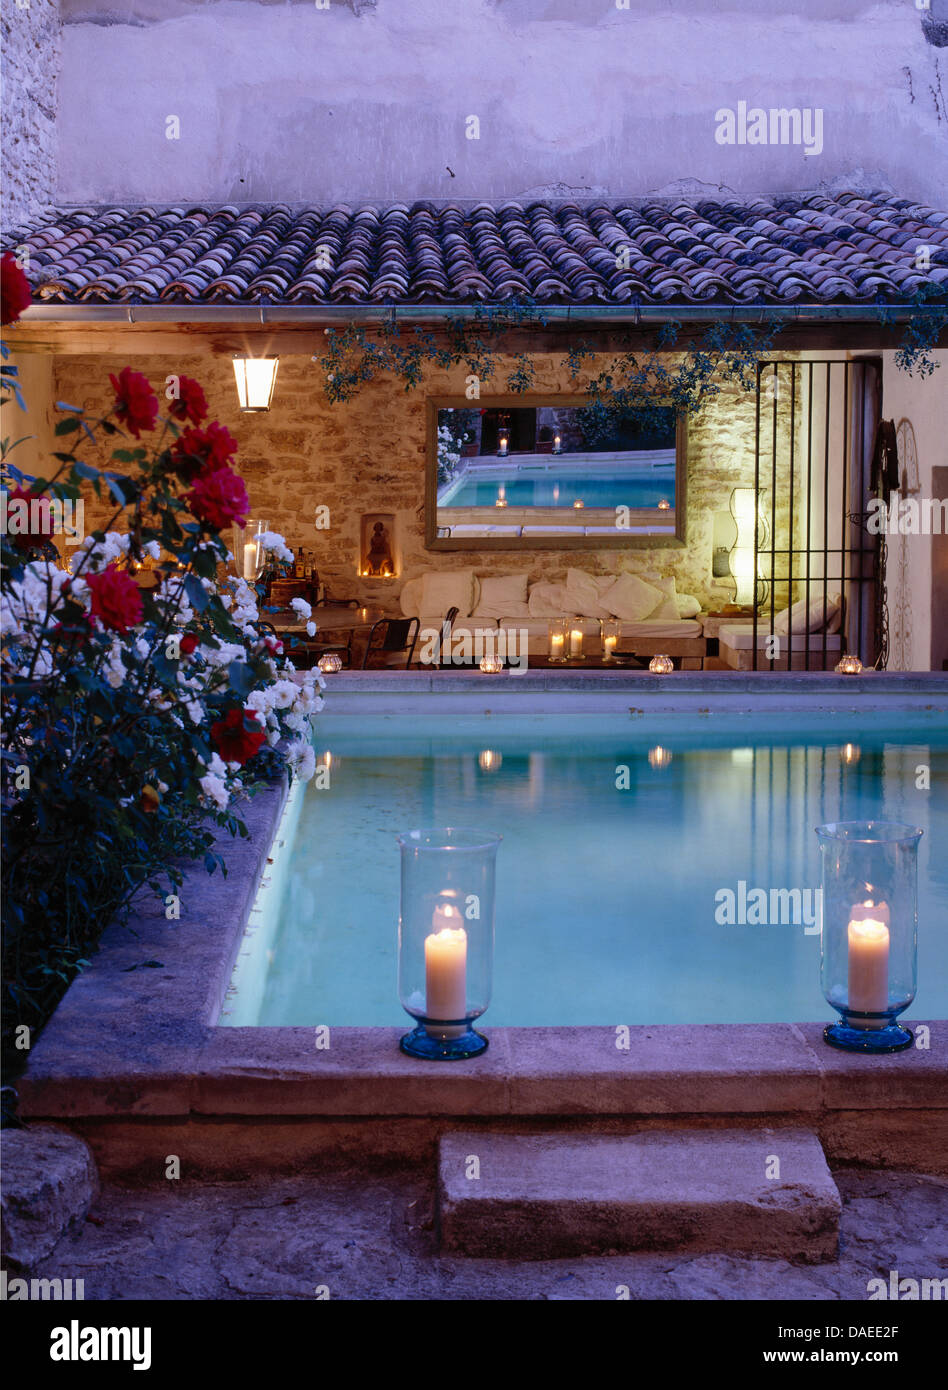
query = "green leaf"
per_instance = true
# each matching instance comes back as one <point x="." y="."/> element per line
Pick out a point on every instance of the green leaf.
<point x="241" y="678"/>
<point x="196" y="592"/>
<point x="66" y="426"/>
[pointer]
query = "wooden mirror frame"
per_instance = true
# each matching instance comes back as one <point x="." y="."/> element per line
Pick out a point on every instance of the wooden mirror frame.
<point x="618" y="541"/>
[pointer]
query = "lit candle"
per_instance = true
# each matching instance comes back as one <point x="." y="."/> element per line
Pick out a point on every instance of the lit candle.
<point x="557" y="643"/>
<point x="869" y="962"/>
<point x="250" y="560"/>
<point x="610" y="642"/>
<point x="502" y="446"/>
<point x="576" y="641"/>
<point x="446" y="970"/>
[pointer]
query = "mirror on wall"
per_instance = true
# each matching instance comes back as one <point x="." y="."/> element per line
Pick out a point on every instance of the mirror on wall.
<point x="550" y="473"/>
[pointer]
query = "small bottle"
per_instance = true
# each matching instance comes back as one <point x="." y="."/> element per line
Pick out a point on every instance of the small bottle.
<point x="309" y="567"/>
<point x="299" y="568"/>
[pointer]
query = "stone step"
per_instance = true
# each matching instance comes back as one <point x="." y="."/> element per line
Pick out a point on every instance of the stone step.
<point x="543" y="1196"/>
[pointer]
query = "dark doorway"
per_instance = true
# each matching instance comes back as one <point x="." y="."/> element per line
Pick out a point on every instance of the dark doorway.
<point x="519" y="425"/>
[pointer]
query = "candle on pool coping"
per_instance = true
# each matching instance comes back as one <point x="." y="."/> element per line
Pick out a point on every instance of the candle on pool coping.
<point x="610" y="642"/>
<point x="868" y="936"/>
<point x="576" y="641"/>
<point x="250" y="560"/>
<point x="446" y="971"/>
<point x="557" y="644"/>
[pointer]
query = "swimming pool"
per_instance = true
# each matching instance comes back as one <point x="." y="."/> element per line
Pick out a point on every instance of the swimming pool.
<point x="609" y="900"/>
<point x="554" y="489"/>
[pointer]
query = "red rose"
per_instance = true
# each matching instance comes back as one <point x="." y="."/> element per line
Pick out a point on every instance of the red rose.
<point x="219" y="499"/>
<point x="191" y="403"/>
<point x="116" y="600"/>
<point x="136" y="404"/>
<point x="188" y="643"/>
<point x="19" y="519"/>
<point x="238" y="736"/>
<point x="15" y="293"/>
<point x="202" y="451"/>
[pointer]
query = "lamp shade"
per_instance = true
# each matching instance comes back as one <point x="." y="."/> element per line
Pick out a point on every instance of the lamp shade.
<point x="748" y="525"/>
<point x="255" y="378"/>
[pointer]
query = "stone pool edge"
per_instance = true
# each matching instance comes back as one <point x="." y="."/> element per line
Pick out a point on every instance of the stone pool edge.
<point x="134" y="1053"/>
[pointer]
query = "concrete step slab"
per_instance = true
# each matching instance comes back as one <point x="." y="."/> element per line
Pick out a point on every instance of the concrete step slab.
<point x="546" y="1196"/>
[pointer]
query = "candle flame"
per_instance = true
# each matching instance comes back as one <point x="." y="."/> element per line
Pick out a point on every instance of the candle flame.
<point x="868" y="929"/>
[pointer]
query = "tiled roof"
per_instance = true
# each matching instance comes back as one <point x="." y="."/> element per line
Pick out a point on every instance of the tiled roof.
<point x="817" y="248"/>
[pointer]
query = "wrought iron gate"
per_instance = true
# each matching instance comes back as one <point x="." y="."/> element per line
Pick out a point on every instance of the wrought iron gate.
<point x="815" y="430"/>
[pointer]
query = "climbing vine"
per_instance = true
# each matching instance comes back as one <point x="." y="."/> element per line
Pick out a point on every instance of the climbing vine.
<point x="633" y="381"/>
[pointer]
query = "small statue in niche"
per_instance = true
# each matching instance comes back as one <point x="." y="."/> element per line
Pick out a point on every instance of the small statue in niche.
<point x="379" y="562"/>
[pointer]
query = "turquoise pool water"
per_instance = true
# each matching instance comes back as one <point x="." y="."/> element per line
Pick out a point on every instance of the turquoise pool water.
<point x="562" y="489"/>
<point x="606" y="898"/>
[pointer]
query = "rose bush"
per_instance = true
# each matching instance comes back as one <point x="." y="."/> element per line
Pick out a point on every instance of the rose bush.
<point x="137" y="717"/>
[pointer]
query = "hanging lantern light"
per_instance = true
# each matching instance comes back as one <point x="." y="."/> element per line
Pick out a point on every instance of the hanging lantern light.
<point x="255" y="378"/>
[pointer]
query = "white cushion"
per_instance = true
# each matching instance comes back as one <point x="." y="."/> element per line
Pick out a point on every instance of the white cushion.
<point x="585" y="593"/>
<point x="548" y="601"/>
<point x="410" y="597"/>
<point x="503" y="597"/>
<point x="688" y="606"/>
<point x="812" y="617"/>
<point x="667" y="610"/>
<point x="441" y="590"/>
<point x="740" y="637"/>
<point x="631" y="598"/>
<point x="662" y="631"/>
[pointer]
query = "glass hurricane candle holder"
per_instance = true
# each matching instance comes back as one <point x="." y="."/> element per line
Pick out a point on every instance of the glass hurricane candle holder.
<point x="558" y="638"/>
<point x="610" y="631"/>
<point x="249" y="554"/>
<point x="491" y="664"/>
<point x="575" y="635"/>
<point x="329" y="662"/>
<point x="446" y="939"/>
<point x="849" y="665"/>
<point x="868" y="939"/>
<point x="661" y="665"/>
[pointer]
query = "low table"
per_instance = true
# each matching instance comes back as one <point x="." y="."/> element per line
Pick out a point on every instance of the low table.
<point x="331" y="617"/>
<point x="622" y="661"/>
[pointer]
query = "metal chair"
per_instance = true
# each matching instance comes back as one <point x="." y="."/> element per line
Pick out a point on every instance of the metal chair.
<point x="447" y="624"/>
<point x="388" y="637"/>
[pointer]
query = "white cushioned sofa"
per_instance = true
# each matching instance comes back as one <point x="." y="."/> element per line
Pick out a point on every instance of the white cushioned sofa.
<point x="654" y="617"/>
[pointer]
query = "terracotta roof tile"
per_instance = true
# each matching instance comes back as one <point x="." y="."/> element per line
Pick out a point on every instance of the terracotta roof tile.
<point x="815" y="248"/>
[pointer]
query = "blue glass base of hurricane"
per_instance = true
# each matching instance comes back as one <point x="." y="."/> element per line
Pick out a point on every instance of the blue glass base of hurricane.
<point x="892" y="1038"/>
<point x="420" y="1043"/>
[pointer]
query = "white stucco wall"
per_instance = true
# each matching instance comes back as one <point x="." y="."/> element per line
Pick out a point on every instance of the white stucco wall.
<point x="368" y="99"/>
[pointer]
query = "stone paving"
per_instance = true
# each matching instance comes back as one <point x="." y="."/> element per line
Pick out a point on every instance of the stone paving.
<point x="371" y="1236"/>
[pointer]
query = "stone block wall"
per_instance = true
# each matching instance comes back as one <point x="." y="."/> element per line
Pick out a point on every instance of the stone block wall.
<point x="31" y="51"/>
<point x="369" y="455"/>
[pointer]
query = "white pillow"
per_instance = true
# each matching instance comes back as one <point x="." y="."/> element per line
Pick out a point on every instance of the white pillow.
<point x="410" y="597"/>
<point x="812" y="617"/>
<point x="549" y="601"/>
<point x="688" y="606"/>
<point x="441" y="590"/>
<point x="585" y="593"/>
<point x="667" y="610"/>
<point x="629" y="597"/>
<point x="503" y="597"/>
